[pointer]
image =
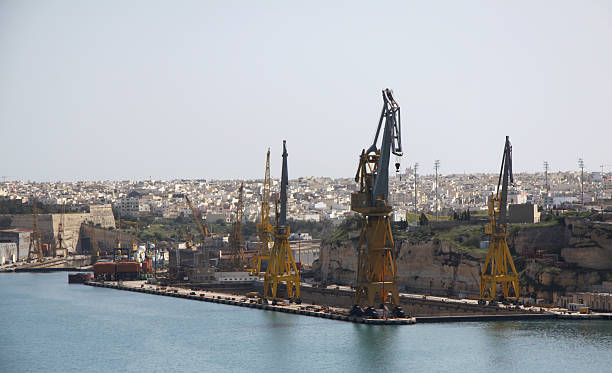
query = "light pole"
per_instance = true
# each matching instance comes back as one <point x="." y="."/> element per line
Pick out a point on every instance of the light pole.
<point x="416" y="217"/>
<point x="581" y="165"/>
<point x="546" y="186"/>
<point x="436" y="166"/>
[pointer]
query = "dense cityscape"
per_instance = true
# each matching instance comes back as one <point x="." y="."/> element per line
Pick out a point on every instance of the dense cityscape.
<point x="317" y="198"/>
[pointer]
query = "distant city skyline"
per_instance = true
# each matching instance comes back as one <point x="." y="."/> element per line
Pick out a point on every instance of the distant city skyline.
<point x="161" y="90"/>
<point x="392" y="175"/>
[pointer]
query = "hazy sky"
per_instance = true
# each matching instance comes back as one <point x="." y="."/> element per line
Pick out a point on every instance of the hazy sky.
<point x="200" y="89"/>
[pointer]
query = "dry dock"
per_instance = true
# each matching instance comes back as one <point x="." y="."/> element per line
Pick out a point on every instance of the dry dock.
<point x="214" y="297"/>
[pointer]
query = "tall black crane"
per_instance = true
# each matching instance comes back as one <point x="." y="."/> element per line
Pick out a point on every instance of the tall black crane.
<point x="499" y="267"/>
<point x="282" y="267"/>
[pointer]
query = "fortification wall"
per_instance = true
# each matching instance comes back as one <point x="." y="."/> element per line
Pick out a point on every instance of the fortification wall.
<point x="48" y="224"/>
<point x="103" y="215"/>
<point x="105" y="239"/>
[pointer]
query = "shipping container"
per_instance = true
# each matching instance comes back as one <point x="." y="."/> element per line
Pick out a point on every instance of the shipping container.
<point x="147" y="266"/>
<point x="128" y="266"/>
<point x="101" y="268"/>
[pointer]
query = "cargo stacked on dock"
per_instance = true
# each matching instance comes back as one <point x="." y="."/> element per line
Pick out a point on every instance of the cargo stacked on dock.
<point x="104" y="271"/>
<point x="128" y="270"/>
<point x="121" y="270"/>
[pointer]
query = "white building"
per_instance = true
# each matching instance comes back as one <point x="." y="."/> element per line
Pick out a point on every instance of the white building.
<point x="132" y="205"/>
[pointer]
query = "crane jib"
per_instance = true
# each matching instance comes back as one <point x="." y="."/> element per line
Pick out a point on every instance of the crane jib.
<point x="390" y="143"/>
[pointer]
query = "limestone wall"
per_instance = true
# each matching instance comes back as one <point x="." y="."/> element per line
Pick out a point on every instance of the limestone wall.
<point x="577" y="257"/>
<point x="48" y="224"/>
<point x="102" y="214"/>
<point x="105" y="239"/>
<point x="428" y="267"/>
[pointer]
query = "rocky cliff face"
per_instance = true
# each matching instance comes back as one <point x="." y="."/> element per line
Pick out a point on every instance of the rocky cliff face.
<point x="574" y="255"/>
<point x="430" y="267"/>
<point x="589" y="244"/>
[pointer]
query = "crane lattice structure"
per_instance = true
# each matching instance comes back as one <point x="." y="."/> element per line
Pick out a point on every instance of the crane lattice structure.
<point x="204" y="231"/>
<point x="202" y="227"/>
<point x="134" y="249"/>
<point x="376" y="261"/>
<point x="499" y="267"/>
<point x="264" y="228"/>
<point x="60" y="235"/>
<point x="235" y="241"/>
<point x="35" y="248"/>
<point x="282" y="267"/>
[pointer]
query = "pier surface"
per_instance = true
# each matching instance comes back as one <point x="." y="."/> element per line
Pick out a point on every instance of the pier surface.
<point x="333" y="313"/>
<point x="229" y="299"/>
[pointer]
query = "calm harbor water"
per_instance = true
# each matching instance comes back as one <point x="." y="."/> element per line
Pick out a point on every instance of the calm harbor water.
<point x="51" y="326"/>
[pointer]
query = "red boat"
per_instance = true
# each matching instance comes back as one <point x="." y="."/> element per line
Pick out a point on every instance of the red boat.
<point x="79" y="278"/>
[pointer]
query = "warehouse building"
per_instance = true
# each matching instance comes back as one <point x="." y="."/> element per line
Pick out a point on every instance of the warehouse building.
<point x="20" y="237"/>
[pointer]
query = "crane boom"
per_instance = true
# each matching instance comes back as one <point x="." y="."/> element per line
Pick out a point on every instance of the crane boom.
<point x="35" y="240"/>
<point x="237" y="253"/>
<point x="265" y="196"/>
<point x="264" y="228"/>
<point x="60" y="234"/>
<point x="505" y="176"/>
<point x="391" y="142"/>
<point x="202" y="227"/>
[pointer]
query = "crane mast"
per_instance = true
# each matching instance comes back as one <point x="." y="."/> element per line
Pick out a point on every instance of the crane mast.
<point x="282" y="267"/>
<point x="264" y="228"/>
<point x="499" y="267"/>
<point x="202" y="227"/>
<point x="237" y="253"/>
<point x="35" y="248"/>
<point x="204" y="232"/>
<point x="60" y="234"/>
<point x="376" y="269"/>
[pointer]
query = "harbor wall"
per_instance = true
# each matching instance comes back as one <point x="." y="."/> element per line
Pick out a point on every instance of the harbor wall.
<point x="418" y="307"/>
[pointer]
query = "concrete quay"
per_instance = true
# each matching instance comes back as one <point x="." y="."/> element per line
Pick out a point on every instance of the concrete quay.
<point x="77" y="263"/>
<point x="215" y="297"/>
<point x="337" y="313"/>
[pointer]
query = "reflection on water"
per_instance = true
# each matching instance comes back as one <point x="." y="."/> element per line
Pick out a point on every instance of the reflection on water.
<point x="50" y="326"/>
<point x="376" y="345"/>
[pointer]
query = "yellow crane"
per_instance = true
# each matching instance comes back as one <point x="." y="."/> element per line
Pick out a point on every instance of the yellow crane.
<point x="499" y="267"/>
<point x="281" y="267"/>
<point x="235" y="241"/>
<point x="119" y="230"/>
<point x="60" y="235"/>
<point x="202" y="227"/>
<point x="376" y="277"/>
<point x="35" y="248"/>
<point x="204" y="232"/>
<point x="135" y="238"/>
<point x="264" y="228"/>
